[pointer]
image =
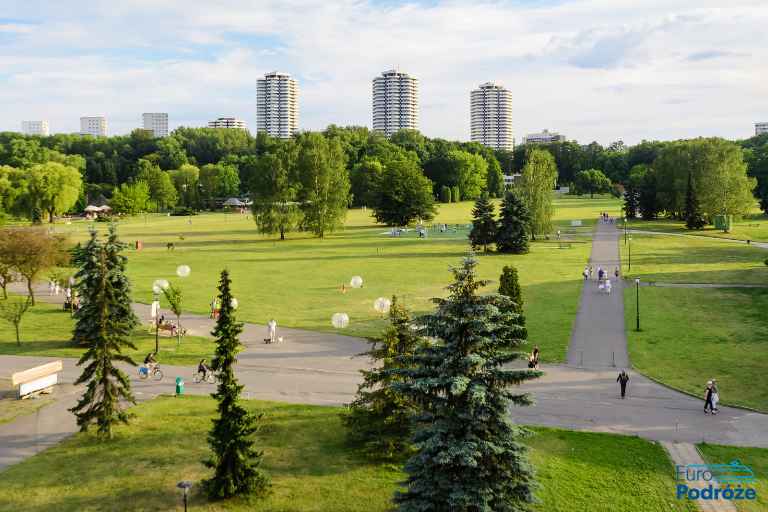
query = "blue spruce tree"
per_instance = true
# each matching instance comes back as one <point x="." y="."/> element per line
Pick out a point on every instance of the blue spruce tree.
<point x="469" y="454"/>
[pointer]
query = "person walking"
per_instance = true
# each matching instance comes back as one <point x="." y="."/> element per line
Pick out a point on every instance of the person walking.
<point x="623" y="379"/>
<point x="585" y="273"/>
<point x="533" y="359"/>
<point x="708" y="405"/>
<point x="616" y="273"/>
<point x="272" y="326"/>
<point x="57" y="288"/>
<point x="590" y="271"/>
<point x="715" y="397"/>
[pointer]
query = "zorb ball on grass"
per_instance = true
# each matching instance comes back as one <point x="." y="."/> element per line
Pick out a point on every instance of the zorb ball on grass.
<point x="356" y="282"/>
<point x="382" y="305"/>
<point x="340" y="320"/>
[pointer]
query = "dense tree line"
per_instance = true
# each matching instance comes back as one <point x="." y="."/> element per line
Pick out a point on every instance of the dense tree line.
<point x="196" y="168"/>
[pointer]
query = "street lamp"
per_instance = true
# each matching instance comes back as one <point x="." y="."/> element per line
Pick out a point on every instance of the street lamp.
<point x="184" y="485"/>
<point x="637" y="303"/>
<point x="625" y="231"/>
<point x="629" y="253"/>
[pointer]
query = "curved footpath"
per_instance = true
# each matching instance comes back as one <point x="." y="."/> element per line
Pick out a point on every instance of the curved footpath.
<point x="322" y="368"/>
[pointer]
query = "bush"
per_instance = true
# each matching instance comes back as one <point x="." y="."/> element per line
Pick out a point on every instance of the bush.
<point x="182" y="211"/>
<point x="445" y="194"/>
<point x="455" y="194"/>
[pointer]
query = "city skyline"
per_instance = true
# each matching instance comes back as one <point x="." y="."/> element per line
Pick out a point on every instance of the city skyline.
<point x="592" y="70"/>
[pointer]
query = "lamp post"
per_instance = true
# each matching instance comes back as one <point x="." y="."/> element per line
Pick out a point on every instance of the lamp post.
<point x="629" y="253"/>
<point x="625" y="231"/>
<point x="184" y="485"/>
<point x="637" y="303"/>
<point x="156" y="307"/>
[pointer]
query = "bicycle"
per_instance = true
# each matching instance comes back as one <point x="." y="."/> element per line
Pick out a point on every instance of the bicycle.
<point x="144" y="373"/>
<point x="210" y="378"/>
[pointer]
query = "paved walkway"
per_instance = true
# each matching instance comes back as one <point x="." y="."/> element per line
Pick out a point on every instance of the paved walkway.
<point x="686" y="453"/>
<point x="598" y="339"/>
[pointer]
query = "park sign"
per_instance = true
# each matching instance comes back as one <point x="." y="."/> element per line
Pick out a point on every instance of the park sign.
<point x="37" y="378"/>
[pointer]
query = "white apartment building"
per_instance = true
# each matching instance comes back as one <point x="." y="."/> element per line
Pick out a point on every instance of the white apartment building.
<point x="93" y="125"/>
<point x="228" y="122"/>
<point x="491" y="116"/>
<point x="545" y="137"/>
<point x="277" y="105"/>
<point x="156" y="122"/>
<point x="395" y="102"/>
<point x="35" y="128"/>
<point x="761" y="128"/>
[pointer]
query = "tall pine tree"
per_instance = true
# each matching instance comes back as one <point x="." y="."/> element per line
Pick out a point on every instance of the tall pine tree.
<point x="512" y="234"/>
<point x="483" y="231"/>
<point x="234" y="460"/>
<point x="105" y="323"/>
<point x="509" y="286"/>
<point x="693" y="217"/>
<point x="469" y="456"/>
<point x="380" y="418"/>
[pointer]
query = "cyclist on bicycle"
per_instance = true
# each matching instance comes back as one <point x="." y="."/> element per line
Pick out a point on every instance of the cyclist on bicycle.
<point x="203" y="368"/>
<point x="150" y="362"/>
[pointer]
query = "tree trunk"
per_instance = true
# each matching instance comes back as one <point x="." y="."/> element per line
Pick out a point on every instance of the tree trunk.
<point x="282" y="234"/>
<point x="31" y="292"/>
<point x="18" y="337"/>
<point x="5" y="290"/>
<point x="50" y="216"/>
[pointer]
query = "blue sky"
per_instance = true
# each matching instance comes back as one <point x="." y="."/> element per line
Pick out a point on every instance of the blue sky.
<point x="594" y="70"/>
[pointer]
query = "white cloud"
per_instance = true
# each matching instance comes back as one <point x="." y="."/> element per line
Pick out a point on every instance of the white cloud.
<point x="599" y="69"/>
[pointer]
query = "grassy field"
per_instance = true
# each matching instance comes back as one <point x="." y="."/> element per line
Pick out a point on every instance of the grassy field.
<point x="298" y="281"/>
<point x="755" y="458"/>
<point x="677" y="259"/>
<point x="690" y="335"/>
<point x="752" y="227"/>
<point x="312" y="469"/>
<point x="46" y="330"/>
<point x="11" y="407"/>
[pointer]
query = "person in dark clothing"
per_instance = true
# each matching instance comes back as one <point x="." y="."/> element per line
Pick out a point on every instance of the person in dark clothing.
<point x="623" y="379"/>
<point x="708" y="392"/>
<point x="203" y="368"/>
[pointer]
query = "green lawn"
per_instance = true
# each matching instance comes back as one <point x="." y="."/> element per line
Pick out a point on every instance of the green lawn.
<point x="692" y="335"/>
<point x="312" y="469"/>
<point x="677" y="259"/>
<point x="752" y="227"/>
<point x="756" y="458"/>
<point x="11" y="407"/>
<point x="298" y="281"/>
<point x="46" y="330"/>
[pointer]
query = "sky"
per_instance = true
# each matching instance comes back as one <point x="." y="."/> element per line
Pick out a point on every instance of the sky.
<point x="601" y="70"/>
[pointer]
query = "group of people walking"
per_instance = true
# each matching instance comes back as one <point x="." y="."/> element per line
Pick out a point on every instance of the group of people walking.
<point x="607" y="219"/>
<point x="603" y="278"/>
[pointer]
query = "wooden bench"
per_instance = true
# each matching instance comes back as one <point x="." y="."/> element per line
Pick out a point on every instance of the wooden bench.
<point x="38" y="379"/>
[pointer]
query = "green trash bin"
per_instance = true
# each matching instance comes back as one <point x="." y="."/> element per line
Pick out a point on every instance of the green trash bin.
<point x="179" y="386"/>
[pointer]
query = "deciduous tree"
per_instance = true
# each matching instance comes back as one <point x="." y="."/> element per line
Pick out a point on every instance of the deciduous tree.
<point x="537" y="182"/>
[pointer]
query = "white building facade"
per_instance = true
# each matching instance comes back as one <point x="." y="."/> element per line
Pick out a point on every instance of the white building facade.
<point x="277" y="105"/>
<point x="35" y="128"/>
<point x="395" y="102"/>
<point x="491" y="116"/>
<point x="93" y="125"/>
<point x="156" y="122"/>
<point x="761" y="128"/>
<point x="545" y="137"/>
<point x="228" y="122"/>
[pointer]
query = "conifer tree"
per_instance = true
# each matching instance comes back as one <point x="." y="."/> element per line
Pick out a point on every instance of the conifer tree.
<point x="469" y="455"/>
<point x="380" y="417"/>
<point x="693" y="217"/>
<point x="234" y="460"/>
<point x="105" y="323"/>
<point x="512" y="234"/>
<point x="509" y="285"/>
<point x="483" y="231"/>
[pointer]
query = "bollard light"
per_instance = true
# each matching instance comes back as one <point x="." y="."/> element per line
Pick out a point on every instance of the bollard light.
<point x="185" y="485"/>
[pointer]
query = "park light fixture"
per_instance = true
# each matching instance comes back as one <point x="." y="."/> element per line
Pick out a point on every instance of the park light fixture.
<point x="356" y="282"/>
<point x="340" y="320"/>
<point x="382" y="305"/>
<point x="637" y="303"/>
<point x="183" y="270"/>
<point x="185" y="485"/>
